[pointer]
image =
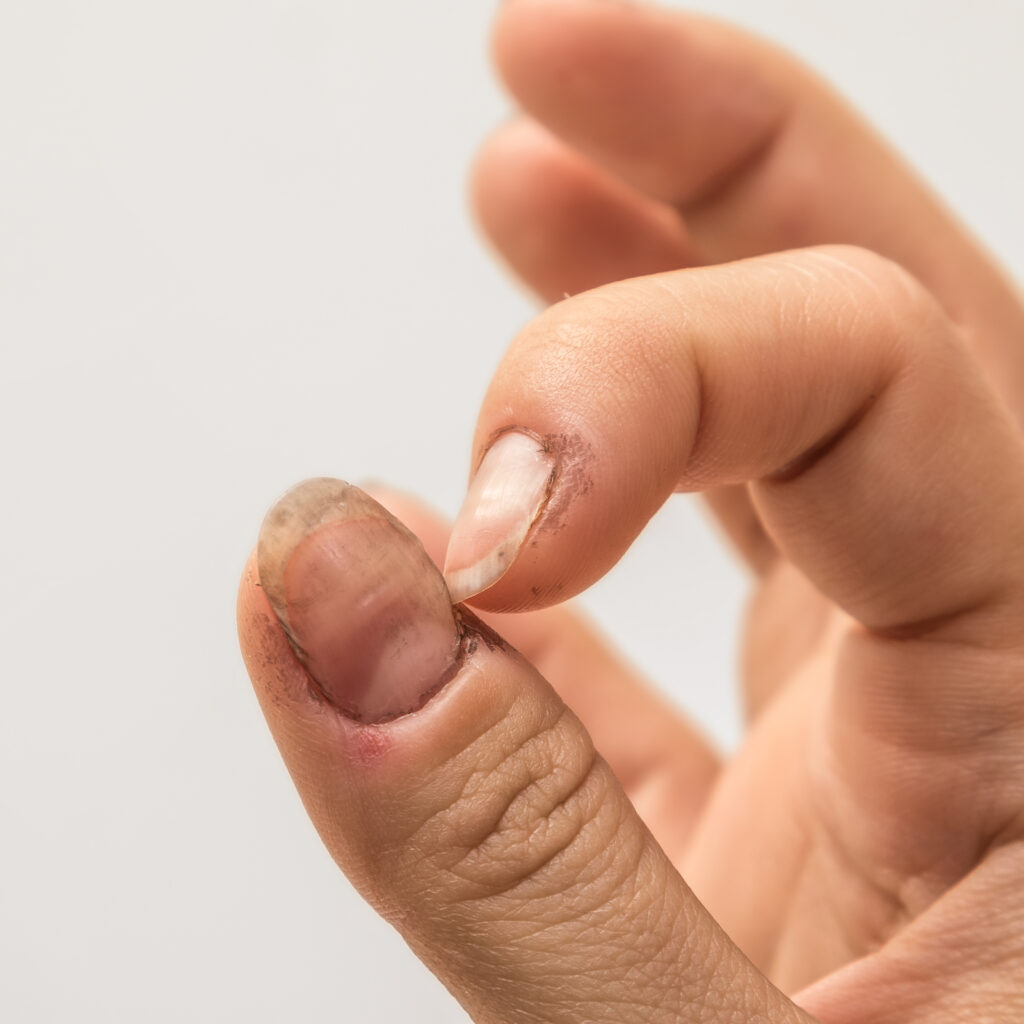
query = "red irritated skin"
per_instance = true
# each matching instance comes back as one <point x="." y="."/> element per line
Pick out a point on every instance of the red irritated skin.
<point x="840" y="368"/>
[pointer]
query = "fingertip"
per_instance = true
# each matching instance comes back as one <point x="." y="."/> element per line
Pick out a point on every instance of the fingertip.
<point x="562" y="223"/>
<point x="527" y="33"/>
<point x="669" y="101"/>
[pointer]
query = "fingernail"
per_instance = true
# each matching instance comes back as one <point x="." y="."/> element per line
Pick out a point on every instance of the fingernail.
<point x="504" y="500"/>
<point x="364" y="608"/>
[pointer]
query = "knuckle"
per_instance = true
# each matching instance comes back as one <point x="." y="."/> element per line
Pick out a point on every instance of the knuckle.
<point x="531" y="823"/>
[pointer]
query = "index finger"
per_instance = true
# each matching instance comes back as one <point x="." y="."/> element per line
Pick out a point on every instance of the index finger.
<point x="882" y="464"/>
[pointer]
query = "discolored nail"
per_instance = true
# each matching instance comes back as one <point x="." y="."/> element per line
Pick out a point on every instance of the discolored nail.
<point x="505" y="498"/>
<point x="364" y="608"/>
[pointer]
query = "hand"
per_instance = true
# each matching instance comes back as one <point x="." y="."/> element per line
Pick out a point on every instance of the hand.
<point x="854" y="414"/>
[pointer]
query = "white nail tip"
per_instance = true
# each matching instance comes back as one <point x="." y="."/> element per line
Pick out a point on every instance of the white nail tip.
<point x="466" y="583"/>
<point x="506" y="496"/>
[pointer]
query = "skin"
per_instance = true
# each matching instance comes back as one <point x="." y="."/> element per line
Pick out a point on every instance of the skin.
<point x="841" y="370"/>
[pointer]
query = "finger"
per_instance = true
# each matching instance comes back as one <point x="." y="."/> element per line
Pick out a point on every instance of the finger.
<point x="565" y="227"/>
<point x="884" y="468"/>
<point x="664" y="763"/>
<point x="668" y="102"/>
<point x="483" y="825"/>
<point x="757" y="153"/>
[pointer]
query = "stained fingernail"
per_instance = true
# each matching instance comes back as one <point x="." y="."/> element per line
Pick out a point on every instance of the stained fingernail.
<point x="364" y="608"/>
<point x="505" y="498"/>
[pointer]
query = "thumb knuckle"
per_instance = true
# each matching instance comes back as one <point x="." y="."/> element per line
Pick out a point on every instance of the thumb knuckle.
<point x="539" y="816"/>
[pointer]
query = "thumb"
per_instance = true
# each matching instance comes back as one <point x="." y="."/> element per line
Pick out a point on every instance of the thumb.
<point x="461" y="796"/>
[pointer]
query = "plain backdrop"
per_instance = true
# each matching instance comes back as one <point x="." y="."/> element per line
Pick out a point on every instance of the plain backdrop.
<point x="234" y="252"/>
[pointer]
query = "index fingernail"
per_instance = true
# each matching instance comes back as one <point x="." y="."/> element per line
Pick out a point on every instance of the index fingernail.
<point x="504" y="500"/>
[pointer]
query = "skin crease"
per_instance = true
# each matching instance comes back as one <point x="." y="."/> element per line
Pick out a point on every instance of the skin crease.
<point x="865" y="846"/>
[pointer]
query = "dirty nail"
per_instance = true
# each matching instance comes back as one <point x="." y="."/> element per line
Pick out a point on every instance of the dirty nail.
<point x="506" y="496"/>
<point x="364" y="608"/>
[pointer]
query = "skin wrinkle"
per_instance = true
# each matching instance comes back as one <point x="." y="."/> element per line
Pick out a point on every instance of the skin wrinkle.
<point x="894" y="915"/>
<point x="481" y="776"/>
<point x="558" y="658"/>
<point x="614" y="985"/>
<point x="683" y="941"/>
<point x="395" y="850"/>
<point x="575" y="900"/>
<point x="579" y="931"/>
<point x="916" y="986"/>
<point x="896" y="888"/>
<point x="883" y="883"/>
<point x="545" y="873"/>
<point x="538" y="801"/>
<point x="699" y="468"/>
<point x="478" y="742"/>
<point x="523" y="791"/>
<point x="951" y="728"/>
<point x="937" y="628"/>
<point x="822" y="449"/>
<point x="480" y="786"/>
<point x="587" y="909"/>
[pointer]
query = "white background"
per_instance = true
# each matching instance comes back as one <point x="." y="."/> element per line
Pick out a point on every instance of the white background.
<point x="234" y="252"/>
